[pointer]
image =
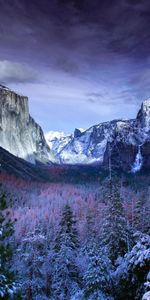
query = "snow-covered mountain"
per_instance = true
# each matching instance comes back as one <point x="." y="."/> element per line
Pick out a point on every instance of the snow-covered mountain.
<point x="126" y="141"/>
<point x="57" y="140"/>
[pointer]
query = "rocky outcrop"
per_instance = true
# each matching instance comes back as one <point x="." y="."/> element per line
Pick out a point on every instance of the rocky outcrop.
<point x="77" y="133"/>
<point x="145" y="150"/>
<point x="126" y="141"/>
<point x="19" y="133"/>
<point x="143" y="117"/>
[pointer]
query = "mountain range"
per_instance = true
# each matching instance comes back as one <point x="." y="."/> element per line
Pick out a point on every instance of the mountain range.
<point x="127" y="142"/>
<point x="123" y="143"/>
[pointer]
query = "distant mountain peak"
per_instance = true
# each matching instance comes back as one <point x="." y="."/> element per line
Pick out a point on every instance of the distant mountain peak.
<point x="52" y="135"/>
<point x="57" y="140"/>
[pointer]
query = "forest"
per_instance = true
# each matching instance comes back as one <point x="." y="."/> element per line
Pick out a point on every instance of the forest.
<point x="63" y="241"/>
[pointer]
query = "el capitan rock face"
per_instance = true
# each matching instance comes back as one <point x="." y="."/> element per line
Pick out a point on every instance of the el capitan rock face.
<point x="19" y="133"/>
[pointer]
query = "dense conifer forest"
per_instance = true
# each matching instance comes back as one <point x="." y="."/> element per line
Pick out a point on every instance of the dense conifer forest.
<point x="74" y="241"/>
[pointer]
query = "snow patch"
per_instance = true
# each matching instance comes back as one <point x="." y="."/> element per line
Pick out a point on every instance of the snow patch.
<point x="146" y="296"/>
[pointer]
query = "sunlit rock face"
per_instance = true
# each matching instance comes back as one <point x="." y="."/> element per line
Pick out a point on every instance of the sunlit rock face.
<point x="127" y="141"/>
<point x="19" y="133"/>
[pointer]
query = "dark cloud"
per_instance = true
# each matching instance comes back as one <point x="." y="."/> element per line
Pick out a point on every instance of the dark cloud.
<point x="97" y="49"/>
<point x="84" y="28"/>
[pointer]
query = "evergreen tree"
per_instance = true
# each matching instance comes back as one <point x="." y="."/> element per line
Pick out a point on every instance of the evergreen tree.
<point x="141" y="216"/>
<point x="138" y="223"/>
<point x="67" y="227"/>
<point x="97" y="280"/>
<point x="66" y="277"/>
<point x="132" y="276"/>
<point x="115" y="235"/>
<point x="90" y="233"/>
<point x="7" y="284"/>
<point x="31" y="269"/>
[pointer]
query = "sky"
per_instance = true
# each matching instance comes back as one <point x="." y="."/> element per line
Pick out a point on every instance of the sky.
<point x="80" y="62"/>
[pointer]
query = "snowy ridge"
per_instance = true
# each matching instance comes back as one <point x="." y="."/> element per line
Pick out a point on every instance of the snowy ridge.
<point x="91" y="145"/>
<point x="57" y="140"/>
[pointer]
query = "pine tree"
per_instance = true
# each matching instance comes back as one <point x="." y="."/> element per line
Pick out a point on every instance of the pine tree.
<point x="132" y="276"/>
<point x="90" y="233"/>
<point x="116" y="235"/>
<point x="141" y="216"/>
<point x="31" y="254"/>
<point x="66" y="277"/>
<point x="97" y="277"/>
<point x="67" y="227"/>
<point x="7" y="283"/>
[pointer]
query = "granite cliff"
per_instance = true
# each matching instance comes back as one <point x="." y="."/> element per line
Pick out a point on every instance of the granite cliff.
<point x="19" y="133"/>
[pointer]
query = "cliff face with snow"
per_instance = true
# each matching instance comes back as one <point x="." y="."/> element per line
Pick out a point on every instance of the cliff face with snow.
<point x="126" y="141"/>
<point x="19" y="133"/>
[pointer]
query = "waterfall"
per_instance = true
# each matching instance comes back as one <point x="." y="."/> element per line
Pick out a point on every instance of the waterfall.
<point x="138" y="161"/>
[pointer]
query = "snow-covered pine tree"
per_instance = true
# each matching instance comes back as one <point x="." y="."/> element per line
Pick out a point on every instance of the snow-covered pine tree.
<point x="116" y="234"/>
<point x="67" y="226"/>
<point x="31" y="270"/>
<point x="138" y="215"/>
<point x="132" y="277"/>
<point x="90" y="233"/>
<point x="141" y="215"/>
<point x="7" y="283"/>
<point x="66" y="279"/>
<point x="97" y="279"/>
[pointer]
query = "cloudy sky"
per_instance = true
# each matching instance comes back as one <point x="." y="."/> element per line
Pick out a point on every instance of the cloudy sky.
<point x="80" y="62"/>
